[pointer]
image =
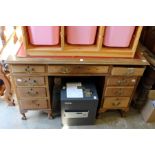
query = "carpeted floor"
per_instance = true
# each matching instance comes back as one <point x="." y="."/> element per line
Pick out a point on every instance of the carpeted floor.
<point x="10" y="118"/>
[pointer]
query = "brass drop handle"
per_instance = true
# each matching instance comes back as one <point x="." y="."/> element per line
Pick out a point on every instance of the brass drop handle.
<point x="32" y="92"/>
<point x="133" y="80"/>
<point x="118" y="92"/>
<point x="119" y="82"/>
<point x="25" y="81"/>
<point x="34" y="102"/>
<point x="37" y="104"/>
<point x="65" y="70"/>
<point x="116" y="103"/>
<point x="130" y="71"/>
<point x="33" y="82"/>
<point x="29" y="69"/>
<point x="122" y="82"/>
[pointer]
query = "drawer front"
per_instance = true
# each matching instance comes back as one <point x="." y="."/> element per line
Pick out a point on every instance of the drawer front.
<point x="33" y="104"/>
<point x="28" y="69"/>
<point x="121" y="81"/>
<point x="77" y="69"/>
<point x="31" y="92"/>
<point x="30" y="81"/>
<point x="127" y="71"/>
<point x="116" y="102"/>
<point x="118" y="91"/>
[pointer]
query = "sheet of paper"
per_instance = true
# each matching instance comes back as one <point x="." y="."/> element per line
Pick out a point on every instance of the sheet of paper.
<point x="73" y="91"/>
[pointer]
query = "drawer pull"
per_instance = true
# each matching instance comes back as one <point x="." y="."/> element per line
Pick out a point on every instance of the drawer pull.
<point x="37" y="104"/>
<point x="32" y="93"/>
<point x="25" y="81"/>
<point x="34" y="102"/>
<point x="116" y="103"/>
<point x="33" y="82"/>
<point x="29" y="69"/>
<point x="30" y="82"/>
<point x="122" y="82"/>
<point x="118" y="92"/>
<point x="130" y="71"/>
<point x="65" y="70"/>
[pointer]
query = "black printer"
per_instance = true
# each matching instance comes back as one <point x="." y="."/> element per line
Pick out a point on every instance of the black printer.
<point x="79" y="102"/>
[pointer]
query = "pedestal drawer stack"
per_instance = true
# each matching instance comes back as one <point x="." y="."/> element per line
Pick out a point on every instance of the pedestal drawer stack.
<point x="119" y="87"/>
<point x="31" y="86"/>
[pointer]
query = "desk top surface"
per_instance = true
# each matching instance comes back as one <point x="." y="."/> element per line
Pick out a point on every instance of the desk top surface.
<point x="12" y="58"/>
<point x="150" y="57"/>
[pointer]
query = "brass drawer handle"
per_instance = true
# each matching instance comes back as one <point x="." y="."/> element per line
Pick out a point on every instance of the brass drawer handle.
<point x="122" y="82"/>
<point x="29" y="69"/>
<point x="118" y="92"/>
<point x="130" y="71"/>
<point x="25" y="82"/>
<point x="33" y="82"/>
<point x="65" y="70"/>
<point x="30" y="82"/>
<point x="37" y="104"/>
<point x="32" y="92"/>
<point x="34" y="102"/>
<point x="116" y="103"/>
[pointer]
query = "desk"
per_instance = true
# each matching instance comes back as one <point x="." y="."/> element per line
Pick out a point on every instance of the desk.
<point x="30" y="79"/>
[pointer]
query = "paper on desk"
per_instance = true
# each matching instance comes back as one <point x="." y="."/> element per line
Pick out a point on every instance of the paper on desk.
<point x="73" y="91"/>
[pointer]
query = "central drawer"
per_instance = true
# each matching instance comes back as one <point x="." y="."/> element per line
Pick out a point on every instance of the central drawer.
<point x="28" y="69"/>
<point x="116" y="102"/>
<point x="24" y="92"/>
<point x="118" y="91"/>
<point x="77" y="69"/>
<point x="33" y="104"/>
<point x="29" y="81"/>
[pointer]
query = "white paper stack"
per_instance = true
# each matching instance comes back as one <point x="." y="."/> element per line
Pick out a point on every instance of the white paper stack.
<point x="73" y="91"/>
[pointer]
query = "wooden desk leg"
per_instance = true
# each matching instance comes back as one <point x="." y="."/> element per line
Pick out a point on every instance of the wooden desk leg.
<point x="49" y="112"/>
<point x="7" y="92"/>
<point x="123" y="112"/>
<point x="145" y="85"/>
<point x="23" y="114"/>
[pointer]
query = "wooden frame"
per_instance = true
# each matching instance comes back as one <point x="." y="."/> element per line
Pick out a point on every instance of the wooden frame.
<point x="33" y="48"/>
<point x="77" y="48"/>
<point x="97" y="50"/>
<point x="124" y="52"/>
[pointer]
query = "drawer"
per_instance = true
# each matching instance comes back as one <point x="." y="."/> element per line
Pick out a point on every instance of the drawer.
<point x="30" y="81"/>
<point x="33" y="104"/>
<point x="28" y="69"/>
<point x="77" y="69"/>
<point x="127" y="71"/>
<point x="118" y="91"/>
<point x="121" y="81"/>
<point x="116" y="102"/>
<point x="24" y="92"/>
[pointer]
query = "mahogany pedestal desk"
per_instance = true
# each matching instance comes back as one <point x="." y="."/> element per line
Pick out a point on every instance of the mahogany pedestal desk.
<point x="120" y="77"/>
